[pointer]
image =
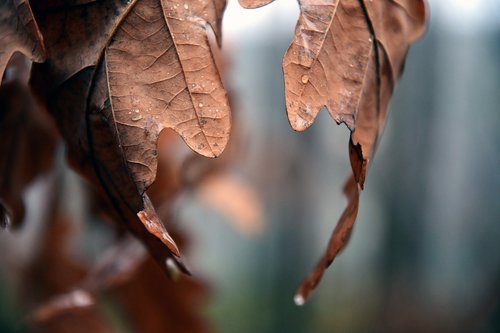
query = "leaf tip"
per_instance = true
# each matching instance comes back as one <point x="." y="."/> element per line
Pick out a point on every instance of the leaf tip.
<point x="154" y="226"/>
<point x="299" y="123"/>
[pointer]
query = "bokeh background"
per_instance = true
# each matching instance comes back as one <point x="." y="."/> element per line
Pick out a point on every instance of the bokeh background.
<point x="425" y="252"/>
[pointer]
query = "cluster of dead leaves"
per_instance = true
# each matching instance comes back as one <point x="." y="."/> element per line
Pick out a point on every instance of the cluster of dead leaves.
<point x="113" y="74"/>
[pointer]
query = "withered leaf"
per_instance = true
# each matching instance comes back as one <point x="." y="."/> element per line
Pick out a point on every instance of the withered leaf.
<point x="395" y="25"/>
<point x="339" y="46"/>
<point x="347" y="55"/>
<point x="161" y="74"/>
<point x="119" y="73"/>
<point x="337" y="242"/>
<point x="18" y="33"/>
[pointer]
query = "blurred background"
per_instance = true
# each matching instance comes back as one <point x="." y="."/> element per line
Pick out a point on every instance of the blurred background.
<point x="425" y="252"/>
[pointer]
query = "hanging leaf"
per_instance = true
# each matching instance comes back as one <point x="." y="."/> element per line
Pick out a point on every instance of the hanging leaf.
<point x="347" y="55"/>
<point x="119" y="72"/>
<point x="338" y="241"/>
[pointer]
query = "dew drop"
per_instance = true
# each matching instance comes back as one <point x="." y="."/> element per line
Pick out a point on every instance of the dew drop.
<point x="299" y="300"/>
<point x="305" y="79"/>
<point x="200" y="105"/>
<point x="186" y="6"/>
<point x="172" y="269"/>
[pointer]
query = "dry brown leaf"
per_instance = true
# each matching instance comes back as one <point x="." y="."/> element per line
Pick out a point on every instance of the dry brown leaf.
<point x="119" y="73"/>
<point x="339" y="46"/>
<point x="396" y="25"/>
<point x="18" y="33"/>
<point x="347" y="55"/>
<point x="162" y="75"/>
<point x="337" y="242"/>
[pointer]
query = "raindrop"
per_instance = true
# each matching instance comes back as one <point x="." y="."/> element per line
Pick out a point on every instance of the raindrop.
<point x="299" y="300"/>
<point x="172" y="269"/>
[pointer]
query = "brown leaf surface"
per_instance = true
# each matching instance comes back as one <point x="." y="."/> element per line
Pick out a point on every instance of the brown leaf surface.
<point x="161" y="74"/>
<point x="119" y="73"/>
<point x="347" y="55"/>
<point x="326" y="62"/>
<point x="18" y="33"/>
<point x="396" y="25"/>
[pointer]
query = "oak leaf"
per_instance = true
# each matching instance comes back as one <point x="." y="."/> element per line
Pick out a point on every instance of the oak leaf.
<point x="347" y="55"/>
<point x="119" y="72"/>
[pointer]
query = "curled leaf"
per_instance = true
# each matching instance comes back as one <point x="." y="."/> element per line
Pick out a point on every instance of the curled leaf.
<point x="337" y="242"/>
<point x="347" y="55"/>
<point x="395" y="26"/>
